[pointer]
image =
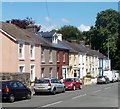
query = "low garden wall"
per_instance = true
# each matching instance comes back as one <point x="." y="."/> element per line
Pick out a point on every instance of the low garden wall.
<point x="24" y="77"/>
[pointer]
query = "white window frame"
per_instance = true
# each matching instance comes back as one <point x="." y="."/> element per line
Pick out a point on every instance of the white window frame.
<point x="23" y="51"/>
<point x="64" y="57"/>
<point x="43" y="55"/>
<point x="50" y="56"/>
<point x="50" y="72"/>
<point x="32" y="78"/>
<point x="33" y="52"/>
<point x="42" y="72"/>
<point x="23" y="65"/>
<point x="58" y="57"/>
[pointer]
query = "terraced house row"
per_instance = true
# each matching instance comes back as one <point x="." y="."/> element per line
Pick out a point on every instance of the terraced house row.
<point x="45" y="54"/>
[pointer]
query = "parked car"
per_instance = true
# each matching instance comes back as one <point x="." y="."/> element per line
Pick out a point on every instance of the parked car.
<point x="51" y="85"/>
<point x="72" y="83"/>
<point x="103" y="79"/>
<point x="13" y="89"/>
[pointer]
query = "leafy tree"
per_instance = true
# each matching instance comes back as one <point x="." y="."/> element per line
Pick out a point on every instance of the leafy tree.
<point x="105" y="35"/>
<point x="23" y="23"/>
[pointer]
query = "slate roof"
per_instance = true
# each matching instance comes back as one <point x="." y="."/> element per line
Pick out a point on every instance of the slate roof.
<point x="46" y="34"/>
<point x="24" y="35"/>
<point x="48" y="37"/>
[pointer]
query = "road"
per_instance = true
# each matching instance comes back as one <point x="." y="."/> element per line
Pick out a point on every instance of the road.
<point x="103" y="95"/>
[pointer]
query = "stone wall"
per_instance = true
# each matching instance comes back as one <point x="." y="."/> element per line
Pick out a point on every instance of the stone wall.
<point x="24" y="77"/>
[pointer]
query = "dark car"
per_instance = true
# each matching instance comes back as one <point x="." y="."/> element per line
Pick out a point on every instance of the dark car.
<point x="13" y="89"/>
<point x="72" y="83"/>
<point x="103" y="79"/>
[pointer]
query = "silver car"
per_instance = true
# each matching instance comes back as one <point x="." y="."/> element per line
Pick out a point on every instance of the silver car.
<point x="51" y="85"/>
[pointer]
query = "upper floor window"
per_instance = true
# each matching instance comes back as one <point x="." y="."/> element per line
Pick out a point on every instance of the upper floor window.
<point x="32" y="51"/>
<point x="63" y="57"/>
<point x="50" y="56"/>
<point x="43" y="55"/>
<point x="58" y="57"/>
<point x="21" y="51"/>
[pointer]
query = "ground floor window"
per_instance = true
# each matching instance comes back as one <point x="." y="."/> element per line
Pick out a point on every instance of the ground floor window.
<point x="42" y="73"/>
<point x="32" y="72"/>
<point x="21" y="68"/>
<point x="50" y="72"/>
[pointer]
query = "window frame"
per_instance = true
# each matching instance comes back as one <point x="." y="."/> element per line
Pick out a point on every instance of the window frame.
<point x="32" y="78"/>
<point x="50" y="56"/>
<point x="42" y="55"/>
<point x="23" y="50"/>
<point x="23" y="65"/>
<point x="32" y="57"/>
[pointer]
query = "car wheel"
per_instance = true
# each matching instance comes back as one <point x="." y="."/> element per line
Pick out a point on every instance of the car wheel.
<point x="11" y="98"/>
<point x="64" y="90"/>
<point x="28" y="96"/>
<point x="74" y="87"/>
<point x="54" y="91"/>
<point x="80" y="87"/>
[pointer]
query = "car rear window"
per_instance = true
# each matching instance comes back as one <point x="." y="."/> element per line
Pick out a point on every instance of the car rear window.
<point x="2" y="85"/>
<point x="69" y="80"/>
<point x="100" y="77"/>
<point x="43" y="81"/>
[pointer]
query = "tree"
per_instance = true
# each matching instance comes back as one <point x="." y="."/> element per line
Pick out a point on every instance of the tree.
<point x="23" y="23"/>
<point x="105" y="35"/>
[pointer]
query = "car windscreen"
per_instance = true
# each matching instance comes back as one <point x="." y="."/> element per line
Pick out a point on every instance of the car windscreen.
<point x="43" y="81"/>
<point x="69" y="80"/>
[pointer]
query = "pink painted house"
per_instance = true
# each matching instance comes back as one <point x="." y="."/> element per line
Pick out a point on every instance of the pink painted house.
<point x="20" y="51"/>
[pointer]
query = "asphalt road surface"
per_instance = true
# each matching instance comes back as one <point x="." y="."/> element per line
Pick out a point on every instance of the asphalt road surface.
<point x="102" y="95"/>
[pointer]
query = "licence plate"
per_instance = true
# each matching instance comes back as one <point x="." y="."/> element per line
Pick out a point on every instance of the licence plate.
<point x="41" y="88"/>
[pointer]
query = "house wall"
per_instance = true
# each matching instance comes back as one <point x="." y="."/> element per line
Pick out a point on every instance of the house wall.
<point x="60" y="63"/>
<point x="73" y="63"/>
<point x="10" y="58"/>
<point x="82" y="63"/>
<point x="47" y="65"/>
<point x="0" y="52"/>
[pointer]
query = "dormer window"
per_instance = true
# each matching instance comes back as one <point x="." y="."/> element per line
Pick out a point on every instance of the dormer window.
<point x="54" y="39"/>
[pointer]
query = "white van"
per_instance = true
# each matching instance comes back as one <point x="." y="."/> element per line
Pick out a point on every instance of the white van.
<point x="117" y="76"/>
<point x="110" y="75"/>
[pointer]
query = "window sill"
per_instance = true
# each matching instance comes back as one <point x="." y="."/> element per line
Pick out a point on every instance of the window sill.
<point x="21" y="59"/>
<point x="32" y="59"/>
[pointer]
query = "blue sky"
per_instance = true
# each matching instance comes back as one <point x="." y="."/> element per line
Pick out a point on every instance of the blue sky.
<point x="53" y="15"/>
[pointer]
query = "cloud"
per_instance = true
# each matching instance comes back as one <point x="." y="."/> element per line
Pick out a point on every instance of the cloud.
<point x="47" y="19"/>
<point x="44" y="28"/>
<point x="83" y="27"/>
<point x="65" y="20"/>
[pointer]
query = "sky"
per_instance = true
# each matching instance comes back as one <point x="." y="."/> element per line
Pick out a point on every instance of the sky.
<point x="54" y="15"/>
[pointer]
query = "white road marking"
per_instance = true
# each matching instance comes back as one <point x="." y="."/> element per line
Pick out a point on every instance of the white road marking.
<point x="96" y="91"/>
<point x="107" y="87"/>
<point x="52" y="104"/>
<point x="79" y="96"/>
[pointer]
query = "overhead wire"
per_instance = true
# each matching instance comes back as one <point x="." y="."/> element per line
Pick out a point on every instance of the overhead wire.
<point x="48" y="14"/>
